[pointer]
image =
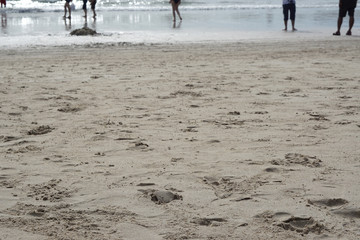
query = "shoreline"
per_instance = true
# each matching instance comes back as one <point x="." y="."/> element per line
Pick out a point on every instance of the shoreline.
<point x="255" y="140"/>
<point x="152" y="27"/>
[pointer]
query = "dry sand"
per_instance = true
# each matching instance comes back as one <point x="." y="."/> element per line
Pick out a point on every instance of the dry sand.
<point x="255" y="140"/>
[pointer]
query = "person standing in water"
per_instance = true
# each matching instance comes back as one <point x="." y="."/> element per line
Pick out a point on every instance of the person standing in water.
<point x="346" y="6"/>
<point x="67" y="8"/>
<point x="175" y="8"/>
<point x="289" y="6"/>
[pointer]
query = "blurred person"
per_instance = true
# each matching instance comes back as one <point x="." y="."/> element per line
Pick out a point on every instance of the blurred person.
<point x="67" y="8"/>
<point x="289" y="6"/>
<point x="346" y="7"/>
<point x="175" y="8"/>
<point x="3" y="3"/>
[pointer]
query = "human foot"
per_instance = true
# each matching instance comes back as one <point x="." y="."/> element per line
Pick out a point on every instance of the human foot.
<point x="337" y="33"/>
<point x="348" y="33"/>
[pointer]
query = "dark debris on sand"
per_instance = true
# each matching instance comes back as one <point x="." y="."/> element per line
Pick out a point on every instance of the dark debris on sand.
<point x="85" y="31"/>
<point x="40" y="130"/>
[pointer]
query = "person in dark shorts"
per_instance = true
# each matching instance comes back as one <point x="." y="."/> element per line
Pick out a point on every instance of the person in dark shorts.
<point x="175" y="8"/>
<point x="346" y="7"/>
<point x="92" y="4"/>
<point x="84" y="8"/>
<point x="289" y="6"/>
<point x="67" y="8"/>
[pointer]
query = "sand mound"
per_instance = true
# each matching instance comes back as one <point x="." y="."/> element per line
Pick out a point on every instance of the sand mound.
<point x="85" y="31"/>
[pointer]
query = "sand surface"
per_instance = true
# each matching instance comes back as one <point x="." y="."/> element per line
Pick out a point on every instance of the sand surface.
<point x="255" y="140"/>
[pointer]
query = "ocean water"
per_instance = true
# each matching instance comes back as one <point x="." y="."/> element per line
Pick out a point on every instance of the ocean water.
<point x="162" y="5"/>
<point x="40" y="22"/>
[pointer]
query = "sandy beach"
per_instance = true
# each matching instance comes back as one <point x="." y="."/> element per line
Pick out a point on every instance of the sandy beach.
<point x="247" y="140"/>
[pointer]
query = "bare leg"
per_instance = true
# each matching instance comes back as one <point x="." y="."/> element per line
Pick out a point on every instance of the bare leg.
<point x="69" y="8"/>
<point x="351" y="24"/>
<point x="339" y="23"/>
<point x="285" y="23"/>
<point x="293" y="25"/>
<point x="65" y="10"/>
<point x="173" y="10"/>
<point x="177" y="10"/>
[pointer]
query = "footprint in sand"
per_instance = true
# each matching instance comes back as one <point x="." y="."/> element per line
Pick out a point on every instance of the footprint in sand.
<point x="343" y="122"/>
<point x="208" y="221"/>
<point x="29" y="148"/>
<point x="186" y="93"/>
<point x="224" y="187"/>
<point x="69" y="109"/>
<point x="348" y="213"/>
<point x="317" y="116"/>
<point x="40" y="130"/>
<point x="298" y="159"/>
<point x="161" y="197"/>
<point x="49" y="191"/>
<point x="140" y="146"/>
<point x="301" y="225"/>
<point x="333" y="202"/>
<point x="8" y="138"/>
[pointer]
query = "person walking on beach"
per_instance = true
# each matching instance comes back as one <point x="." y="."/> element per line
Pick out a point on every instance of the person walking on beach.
<point x="84" y="8"/>
<point x="93" y="3"/>
<point x="346" y="6"/>
<point x="289" y="6"/>
<point x="3" y="2"/>
<point x="67" y="8"/>
<point x="175" y="8"/>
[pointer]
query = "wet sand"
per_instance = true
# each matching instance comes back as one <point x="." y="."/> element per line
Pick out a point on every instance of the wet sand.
<point x="248" y="140"/>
